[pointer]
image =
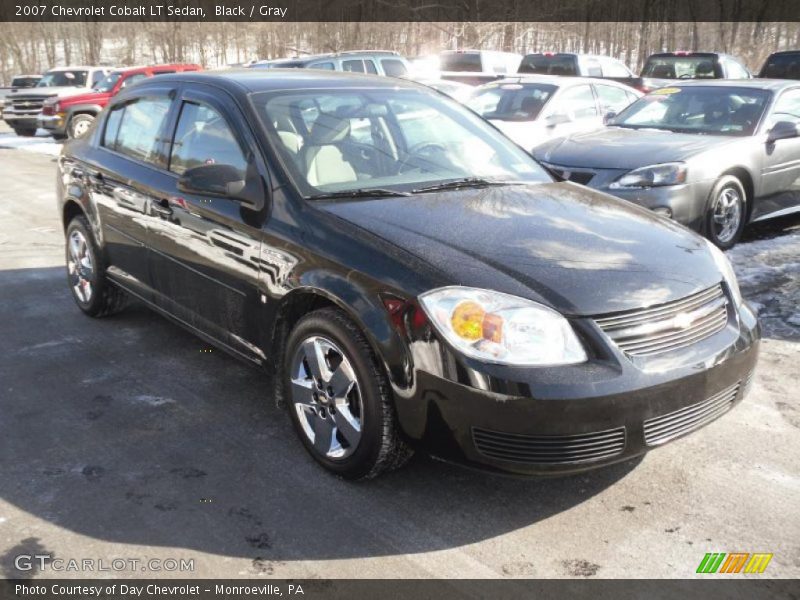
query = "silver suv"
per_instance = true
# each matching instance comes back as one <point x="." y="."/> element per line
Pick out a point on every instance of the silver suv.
<point x="377" y="62"/>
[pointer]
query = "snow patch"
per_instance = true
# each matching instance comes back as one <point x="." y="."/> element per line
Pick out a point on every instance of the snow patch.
<point x="153" y="400"/>
<point x="42" y="143"/>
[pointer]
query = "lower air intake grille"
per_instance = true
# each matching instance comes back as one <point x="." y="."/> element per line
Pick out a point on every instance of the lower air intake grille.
<point x="550" y="449"/>
<point x="659" y="430"/>
<point x="669" y="326"/>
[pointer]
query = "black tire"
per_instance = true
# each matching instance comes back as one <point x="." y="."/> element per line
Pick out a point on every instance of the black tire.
<point x="25" y="131"/>
<point x="726" y="187"/>
<point x="79" y="125"/>
<point x="59" y="137"/>
<point x="105" y="298"/>
<point x="381" y="447"/>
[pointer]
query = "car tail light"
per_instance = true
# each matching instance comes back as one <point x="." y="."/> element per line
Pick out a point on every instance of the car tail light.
<point x="681" y="53"/>
<point x="549" y="53"/>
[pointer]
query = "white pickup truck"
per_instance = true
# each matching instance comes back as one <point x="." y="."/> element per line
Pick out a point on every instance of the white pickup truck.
<point x="23" y="106"/>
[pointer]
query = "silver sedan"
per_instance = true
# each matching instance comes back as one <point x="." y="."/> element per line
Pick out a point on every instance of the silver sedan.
<point x="714" y="156"/>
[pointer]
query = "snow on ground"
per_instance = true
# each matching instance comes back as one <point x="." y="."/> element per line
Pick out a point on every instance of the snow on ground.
<point x="42" y="143"/>
<point x="769" y="276"/>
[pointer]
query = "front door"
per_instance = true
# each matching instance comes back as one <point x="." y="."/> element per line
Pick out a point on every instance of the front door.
<point x="780" y="172"/>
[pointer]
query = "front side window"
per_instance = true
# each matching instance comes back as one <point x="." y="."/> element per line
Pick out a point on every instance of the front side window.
<point x="577" y="102"/>
<point x="787" y="108"/>
<point x="712" y="110"/>
<point x="400" y="140"/>
<point x="782" y="66"/>
<point x="353" y="66"/>
<point x="512" y="101"/>
<point x="203" y="137"/>
<point x="612" y="98"/>
<point x="107" y="83"/>
<point x="133" y="79"/>
<point x="370" y="66"/>
<point x="137" y="125"/>
<point x="325" y="66"/>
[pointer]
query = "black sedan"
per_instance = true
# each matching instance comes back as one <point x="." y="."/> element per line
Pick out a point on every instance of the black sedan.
<point x="414" y="279"/>
<point x="713" y="156"/>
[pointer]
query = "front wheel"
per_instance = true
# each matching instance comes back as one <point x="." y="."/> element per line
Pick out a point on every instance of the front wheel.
<point x="79" y="125"/>
<point x="339" y="399"/>
<point x="726" y="213"/>
<point x="94" y="294"/>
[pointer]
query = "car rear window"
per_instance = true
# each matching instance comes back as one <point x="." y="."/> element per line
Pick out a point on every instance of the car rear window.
<point x="24" y="82"/>
<point x="782" y="66"/>
<point x="680" y="67"/>
<point x="557" y="64"/>
<point x="461" y="61"/>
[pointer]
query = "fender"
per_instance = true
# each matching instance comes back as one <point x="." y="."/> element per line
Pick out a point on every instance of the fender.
<point x="92" y="109"/>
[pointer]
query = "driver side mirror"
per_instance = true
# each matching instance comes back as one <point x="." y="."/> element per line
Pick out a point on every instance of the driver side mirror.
<point x="225" y="181"/>
<point x="557" y="119"/>
<point x="609" y="117"/>
<point x="782" y="130"/>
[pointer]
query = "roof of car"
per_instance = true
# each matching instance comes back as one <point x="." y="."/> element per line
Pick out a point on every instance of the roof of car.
<point x="559" y="80"/>
<point x="78" y="67"/>
<point x="164" y="66"/>
<point x="264" y="80"/>
<point x="761" y="84"/>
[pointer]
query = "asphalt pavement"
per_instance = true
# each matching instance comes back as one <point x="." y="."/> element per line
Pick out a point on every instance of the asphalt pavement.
<point x="129" y="438"/>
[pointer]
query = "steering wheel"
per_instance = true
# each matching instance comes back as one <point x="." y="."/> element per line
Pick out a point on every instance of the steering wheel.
<point x="421" y="150"/>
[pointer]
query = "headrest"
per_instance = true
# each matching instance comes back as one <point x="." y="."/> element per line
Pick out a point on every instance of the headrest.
<point x="328" y="129"/>
<point x="704" y="69"/>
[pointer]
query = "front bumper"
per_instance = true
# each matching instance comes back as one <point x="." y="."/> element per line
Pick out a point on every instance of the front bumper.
<point x="20" y="121"/>
<point x="52" y="123"/>
<point x="559" y="420"/>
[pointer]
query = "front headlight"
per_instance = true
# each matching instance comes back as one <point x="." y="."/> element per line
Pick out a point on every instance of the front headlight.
<point x="652" y="176"/>
<point x="500" y="328"/>
<point x="728" y="274"/>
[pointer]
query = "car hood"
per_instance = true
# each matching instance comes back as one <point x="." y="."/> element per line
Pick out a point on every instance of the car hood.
<point x="618" y="148"/>
<point x="88" y="97"/>
<point x="60" y="91"/>
<point x="577" y="250"/>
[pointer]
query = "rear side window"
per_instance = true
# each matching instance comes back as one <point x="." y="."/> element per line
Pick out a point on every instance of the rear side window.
<point x="393" y="67"/>
<point x="782" y="66"/>
<point x="203" y="137"/>
<point x="133" y="79"/>
<point x="578" y="102"/>
<point x="354" y="66"/>
<point x="137" y="125"/>
<point x="370" y="66"/>
<point x="325" y="66"/>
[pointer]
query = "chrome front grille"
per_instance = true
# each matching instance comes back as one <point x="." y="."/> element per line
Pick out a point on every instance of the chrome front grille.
<point x="668" y="326"/>
<point x="659" y="430"/>
<point x="27" y="104"/>
<point x="550" y="449"/>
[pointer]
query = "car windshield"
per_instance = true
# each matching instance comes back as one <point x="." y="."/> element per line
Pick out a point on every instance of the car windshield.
<point x="396" y="140"/>
<point x="107" y="84"/>
<point x="679" y="67"/>
<point x="730" y="111"/>
<point x="63" y="78"/>
<point x="549" y="64"/>
<point x="461" y="61"/>
<point x="511" y="101"/>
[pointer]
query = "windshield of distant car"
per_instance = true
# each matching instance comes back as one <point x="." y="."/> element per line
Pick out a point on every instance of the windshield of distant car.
<point x="549" y="64"/>
<point x="511" y="101"/>
<point x="24" y="82"/>
<point x="734" y="111"/>
<point x="680" y="67"/>
<point x="461" y="61"/>
<point x="782" y="66"/>
<point x="63" y="78"/>
<point x="107" y="84"/>
<point x="401" y="140"/>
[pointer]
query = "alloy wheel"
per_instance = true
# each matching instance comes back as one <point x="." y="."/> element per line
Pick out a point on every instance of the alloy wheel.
<point x="326" y="395"/>
<point x="727" y="215"/>
<point x="80" y="267"/>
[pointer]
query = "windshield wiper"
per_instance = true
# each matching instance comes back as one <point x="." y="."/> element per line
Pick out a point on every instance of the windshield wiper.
<point x="467" y="182"/>
<point x="360" y="193"/>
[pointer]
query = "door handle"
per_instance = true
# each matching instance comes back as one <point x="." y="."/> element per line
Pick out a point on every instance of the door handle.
<point x="162" y="208"/>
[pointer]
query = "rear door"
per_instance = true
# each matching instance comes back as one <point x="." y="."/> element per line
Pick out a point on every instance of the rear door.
<point x="127" y="179"/>
<point x="573" y="110"/>
<point x="206" y="249"/>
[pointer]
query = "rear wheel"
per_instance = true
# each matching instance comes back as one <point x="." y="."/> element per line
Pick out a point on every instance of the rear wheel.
<point x="339" y="398"/>
<point x="726" y="213"/>
<point x="25" y="131"/>
<point x="79" y="125"/>
<point x="94" y="294"/>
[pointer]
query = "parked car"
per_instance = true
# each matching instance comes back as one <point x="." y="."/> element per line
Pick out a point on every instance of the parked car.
<point x="536" y="108"/>
<point x="378" y="62"/>
<point x="17" y="82"/>
<point x="782" y="65"/>
<point x="73" y="115"/>
<point x="24" y="107"/>
<point x="577" y="65"/>
<point x="713" y="156"/>
<point x="458" y="91"/>
<point x="665" y="67"/>
<point x="413" y="278"/>
<point x="476" y="67"/>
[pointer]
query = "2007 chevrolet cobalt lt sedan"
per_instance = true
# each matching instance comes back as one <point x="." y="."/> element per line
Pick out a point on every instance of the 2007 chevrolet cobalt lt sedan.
<point x="414" y="279"/>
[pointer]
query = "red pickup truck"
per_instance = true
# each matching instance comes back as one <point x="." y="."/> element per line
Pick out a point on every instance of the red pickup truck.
<point x="72" y="116"/>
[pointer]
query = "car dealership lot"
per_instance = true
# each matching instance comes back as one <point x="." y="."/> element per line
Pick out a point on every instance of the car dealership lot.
<point x="129" y="438"/>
